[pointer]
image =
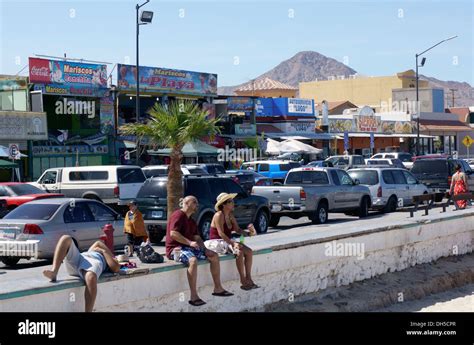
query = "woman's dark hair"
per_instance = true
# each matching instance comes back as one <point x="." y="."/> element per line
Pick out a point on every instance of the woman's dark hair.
<point x="457" y="167"/>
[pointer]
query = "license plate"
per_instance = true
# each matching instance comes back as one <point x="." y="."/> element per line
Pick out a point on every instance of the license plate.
<point x="7" y="234"/>
<point x="276" y="208"/>
<point x="157" y="214"/>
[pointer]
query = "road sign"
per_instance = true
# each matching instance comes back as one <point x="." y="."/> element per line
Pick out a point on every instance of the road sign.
<point x="467" y="141"/>
<point x="14" y="151"/>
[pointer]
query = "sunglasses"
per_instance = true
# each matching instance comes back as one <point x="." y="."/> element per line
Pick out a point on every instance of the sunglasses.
<point x="229" y="202"/>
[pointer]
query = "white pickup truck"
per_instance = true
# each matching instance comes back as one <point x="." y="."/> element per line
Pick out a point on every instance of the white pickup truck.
<point x="314" y="192"/>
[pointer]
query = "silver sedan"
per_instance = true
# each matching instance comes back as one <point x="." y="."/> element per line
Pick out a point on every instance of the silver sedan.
<point x="34" y="228"/>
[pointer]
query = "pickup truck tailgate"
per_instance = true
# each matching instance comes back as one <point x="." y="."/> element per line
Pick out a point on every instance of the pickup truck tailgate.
<point x="282" y="198"/>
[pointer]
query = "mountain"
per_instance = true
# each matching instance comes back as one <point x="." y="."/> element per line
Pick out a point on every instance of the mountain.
<point x="304" y="66"/>
<point x="309" y="66"/>
<point x="463" y="92"/>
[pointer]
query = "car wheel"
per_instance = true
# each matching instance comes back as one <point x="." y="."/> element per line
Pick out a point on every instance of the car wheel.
<point x="205" y="227"/>
<point x="364" y="207"/>
<point x="321" y="214"/>
<point x="391" y="205"/>
<point x="261" y="222"/>
<point x="9" y="260"/>
<point x="274" y="220"/>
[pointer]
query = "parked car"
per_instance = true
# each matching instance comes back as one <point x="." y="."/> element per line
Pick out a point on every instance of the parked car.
<point x="247" y="179"/>
<point x="470" y="162"/>
<point x="386" y="161"/>
<point x="320" y="164"/>
<point x="313" y="192"/>
<point x="111" y="184"/>
<point x="346" y="162"/>
<point x="405" y="157"/>
<point x="276" y="170"/>
<point x="152" y="202"/>
<point x="17" y="193"/>
<point x="389" y="185"/>
<point x="210" y="168"/>
<point x="162" y="170"/>
<point x="436" y="173"/>
<point x="46" y="220"/>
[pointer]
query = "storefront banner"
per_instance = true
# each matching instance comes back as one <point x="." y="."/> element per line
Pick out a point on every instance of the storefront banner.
<point x="264" y="107"/>
<point x="298" y="106"/>
<point x="245" y="129"/>
<point x="240" y="103"/>
<point x="23" y="126"/>
<point x="296" y="127"/>
<point x="210" y="109"/>
<point x="70" y="150"/>
<point x="107" y="115"/>
<point x="364" y="124"/>
<point x="13" y="83"/>
<point x="57" y="72"/>
<point x="67" y="90"/>
<point x="167" y="80"/>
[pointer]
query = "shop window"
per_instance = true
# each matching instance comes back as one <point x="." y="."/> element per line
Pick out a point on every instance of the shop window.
<point x="19" y="100"/>
<point x="6" y="100"/>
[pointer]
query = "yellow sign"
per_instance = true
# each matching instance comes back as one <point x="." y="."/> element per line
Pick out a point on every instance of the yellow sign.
<point x="467" y="141"/>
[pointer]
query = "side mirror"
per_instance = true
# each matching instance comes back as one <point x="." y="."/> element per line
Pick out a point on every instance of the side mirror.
<point x="356" y="181"/>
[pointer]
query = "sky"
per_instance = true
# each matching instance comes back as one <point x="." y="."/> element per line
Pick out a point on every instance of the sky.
<point x="240" y="40"/>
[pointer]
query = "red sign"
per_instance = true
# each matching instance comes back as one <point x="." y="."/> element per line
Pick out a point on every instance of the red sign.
<point x="39" y="71"/>
<point x="218" y="142"/>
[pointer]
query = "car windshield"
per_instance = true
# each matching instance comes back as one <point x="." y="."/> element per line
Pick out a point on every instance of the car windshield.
<point x="25" y="189"/>
<point x="367" y="177"/>
<point x="155" y="172"/>
<point x="33" y="211"/>
<point x="153" y="189"/>
<point x="405" y="157"/>
<point x="430" y="166"/>
<point x="338" y="160"/>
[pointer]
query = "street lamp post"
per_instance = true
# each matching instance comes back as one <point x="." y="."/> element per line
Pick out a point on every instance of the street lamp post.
<point x="145" y="18"/>
<point x="417" y="93"/>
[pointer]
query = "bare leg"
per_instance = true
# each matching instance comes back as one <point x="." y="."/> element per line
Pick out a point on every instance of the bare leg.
<point x="248" y="254"/>
<point x="60" y="253"/>
<point x="215" y="270"/>
<point x="90" y="293"/>
<point x="192" y="278"/>
<point x="239" y="261"/>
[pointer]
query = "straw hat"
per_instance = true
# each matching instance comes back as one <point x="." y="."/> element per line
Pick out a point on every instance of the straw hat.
<point x="222" y="198"/>
<point x="122" y="259"/>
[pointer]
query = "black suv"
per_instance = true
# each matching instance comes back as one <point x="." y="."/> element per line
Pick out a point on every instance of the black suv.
<point x="152" y="202"/>
<point x="436" y="173"/>
<point x="210" y="168"/>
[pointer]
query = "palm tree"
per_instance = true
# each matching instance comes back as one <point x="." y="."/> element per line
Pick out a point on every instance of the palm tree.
<point x="173" y="127"/>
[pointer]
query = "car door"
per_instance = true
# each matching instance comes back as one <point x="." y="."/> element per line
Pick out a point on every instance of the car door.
<point x="81" y="225"/>
<point x="50" y="181"/>
<point x="403" y="189"/>
<point x="349" y="190"/>
<point x="414" y="188"/>
<point x="243" y="208"/>
<point x="264" y="169"/>
<point x="103" y="216"/>
<point x="130" y="180"/>
<point x="389" y="187"/>
<point x="339" y="197"/>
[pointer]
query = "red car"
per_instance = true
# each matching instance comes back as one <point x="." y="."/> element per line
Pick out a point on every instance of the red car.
<point x="17" y="193"/>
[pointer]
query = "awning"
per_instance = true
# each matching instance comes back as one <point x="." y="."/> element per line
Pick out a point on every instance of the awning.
<point x="7" y="164"/>
<point x="310" y="136"/>
<point x="443" y="126"/>
<point x="367" y="135"/>
<point x="193" y="149"/>
<point x="238" y="137"/>
<point x="129" y="144"/>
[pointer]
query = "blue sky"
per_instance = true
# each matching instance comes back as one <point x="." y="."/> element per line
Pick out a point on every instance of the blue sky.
<point x="377" y="37"/>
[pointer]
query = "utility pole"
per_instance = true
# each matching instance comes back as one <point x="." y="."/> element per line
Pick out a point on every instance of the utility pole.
<point x="452" y="95"/>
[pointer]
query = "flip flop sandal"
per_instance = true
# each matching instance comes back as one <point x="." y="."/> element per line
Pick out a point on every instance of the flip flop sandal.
<point x="223" y="294"/>
<point x="197" y="303"/>
<point x="246" y="287"/>
<point x="255" y="286"/>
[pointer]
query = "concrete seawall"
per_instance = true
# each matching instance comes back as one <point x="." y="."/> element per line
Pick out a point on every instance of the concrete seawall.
<point x="286" y="264"/>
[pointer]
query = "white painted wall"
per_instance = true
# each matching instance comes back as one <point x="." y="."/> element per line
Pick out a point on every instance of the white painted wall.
<point x="296" y="271"/>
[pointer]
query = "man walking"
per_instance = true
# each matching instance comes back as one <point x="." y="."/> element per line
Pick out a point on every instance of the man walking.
<point x="182" y="234"/>
<point x="88" y="266"/>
